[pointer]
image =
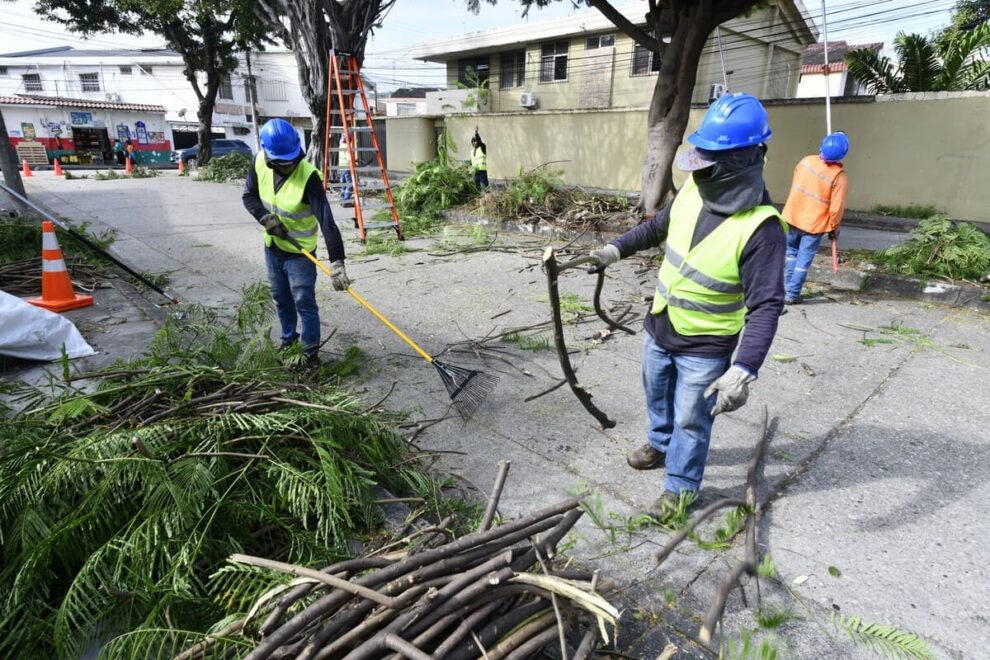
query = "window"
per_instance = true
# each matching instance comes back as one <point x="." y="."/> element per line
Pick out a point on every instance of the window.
<point x="226" y="89"/>
<point x="599" y="41"/>
<point x="512" y="69"/>
<point x="405" y="109"/>
<point x="553" y="62"/>
<point x="32" y="82"/>
<point x="90" y="82"/>
<point x="477" y="66"/>
<point x="241" y="130"/>
<point x="146" y="69"/>
<point x="274" y="90"/>
<point x="3" y="70"/>
<point x="645" y="62"/>
<point x="126" y="70"/>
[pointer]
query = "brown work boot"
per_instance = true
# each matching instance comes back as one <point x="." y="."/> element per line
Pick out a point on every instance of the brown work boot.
<point x="646" y="458"/>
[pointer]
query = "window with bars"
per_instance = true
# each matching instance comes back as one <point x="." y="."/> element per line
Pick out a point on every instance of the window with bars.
<point x="146" y="69"/>
<point x="478" y="66"/>
<point x="599" y="41"/>
<point x="90" y="82"/>
<point x="126" y="70"/>
<point x="226" y="90"/>
<point x="32" y="82"/>
<point x="645" y="62"/>
<point x="512" y="69"/>
<point x="274" y="90"/>
<point x="553" y="62"/>
<point x="3" y="70"/>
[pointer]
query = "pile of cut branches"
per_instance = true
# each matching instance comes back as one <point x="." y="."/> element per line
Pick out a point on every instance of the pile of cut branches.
<point x="119" y="501"/>
<point x="539" y="196"/>
<point x="23" y="277"/>
<point x="494" y="593"/>
<point x="229" y="167"/>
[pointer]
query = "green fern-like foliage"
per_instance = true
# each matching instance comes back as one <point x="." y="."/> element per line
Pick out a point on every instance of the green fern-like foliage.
<point x="116" y="520"/>
<point x="940" y="247"/>
<point x="885" y="641"/>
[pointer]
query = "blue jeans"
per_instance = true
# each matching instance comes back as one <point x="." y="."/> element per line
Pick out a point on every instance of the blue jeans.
<point x="346" y="191"/>
<point x="293" y="282"/>
<point x="680" y="414"/>
<point x="801" y="249"/>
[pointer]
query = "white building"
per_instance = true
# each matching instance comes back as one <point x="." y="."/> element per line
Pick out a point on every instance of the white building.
<point x="407" y="101"/>
<point x="840" y="83"/>
<point x="155" y="77"/>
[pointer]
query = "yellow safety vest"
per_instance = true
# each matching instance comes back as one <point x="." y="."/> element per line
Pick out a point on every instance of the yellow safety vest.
<point x="700" y="287"/>
<point x="479" y="159"/>
<point x="289" y="203"/>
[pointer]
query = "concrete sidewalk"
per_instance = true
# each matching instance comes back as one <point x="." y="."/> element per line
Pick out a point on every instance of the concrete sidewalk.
<point x="874" y="465"/>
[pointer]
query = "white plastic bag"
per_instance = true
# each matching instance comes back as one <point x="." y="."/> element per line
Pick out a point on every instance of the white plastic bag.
<point x="33" y="333"/>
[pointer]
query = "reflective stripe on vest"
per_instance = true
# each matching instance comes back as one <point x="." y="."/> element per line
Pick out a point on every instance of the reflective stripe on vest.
<point x="479" y="159"/>
<point x="808" y="202"/>
<point x="289" y="204"/>
<point x="700" y="287"/>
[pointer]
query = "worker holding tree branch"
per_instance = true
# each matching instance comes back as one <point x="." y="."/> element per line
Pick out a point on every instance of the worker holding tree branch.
<point x="722" y="272"/>
<point x="285" y="194"/>
<point x="814" y="208"/>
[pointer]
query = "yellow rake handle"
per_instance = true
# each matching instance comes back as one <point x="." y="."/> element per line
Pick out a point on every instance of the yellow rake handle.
<point x="364" y="303"/>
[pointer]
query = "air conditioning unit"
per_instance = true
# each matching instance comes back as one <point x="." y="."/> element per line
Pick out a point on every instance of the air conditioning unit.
<point x="715" y="91"/>
<point x="113" y="97"/>
<point x="527" y="100"/>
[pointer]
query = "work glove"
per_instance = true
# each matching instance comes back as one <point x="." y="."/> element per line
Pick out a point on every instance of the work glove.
<point x="834" y="234"/>
<point x="605" y="257"/>
<point x="732" y="388"/>
<point x="273" y="225"/>
<point x="340" y="281"/>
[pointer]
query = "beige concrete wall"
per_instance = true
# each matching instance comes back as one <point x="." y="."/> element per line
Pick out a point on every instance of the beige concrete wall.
<point x="410" y="140"/>
<point x="911" y="149"/>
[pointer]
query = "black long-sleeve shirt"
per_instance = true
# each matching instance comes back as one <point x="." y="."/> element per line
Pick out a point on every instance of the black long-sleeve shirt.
<point x="761" y="268"/>
<point x="316" y="199"/>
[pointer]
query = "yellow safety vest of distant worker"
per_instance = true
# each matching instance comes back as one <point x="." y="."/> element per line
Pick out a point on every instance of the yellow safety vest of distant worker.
<point x="289" y="204"/>
<point x="701" y="286"/>
<point x="479" y="159"/>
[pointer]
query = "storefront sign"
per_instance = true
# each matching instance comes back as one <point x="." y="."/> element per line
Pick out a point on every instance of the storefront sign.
<point x="123" y="132"/>
<point x="142" y="132"/>
<point x="81" y="118"/>
<point x="54" y="128"/>
<point x="27" y="129"/>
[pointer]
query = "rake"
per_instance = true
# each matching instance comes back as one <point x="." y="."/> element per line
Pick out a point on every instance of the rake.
<point x="467" y="387"/>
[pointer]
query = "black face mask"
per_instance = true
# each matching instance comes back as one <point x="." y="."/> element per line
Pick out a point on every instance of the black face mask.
<point x="283" y="167"/>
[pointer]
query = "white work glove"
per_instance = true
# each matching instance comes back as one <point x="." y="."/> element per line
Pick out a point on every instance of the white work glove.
<point x="607" y="256"/>
<point x="732" y="388"/>
<point x="340" y="281"/>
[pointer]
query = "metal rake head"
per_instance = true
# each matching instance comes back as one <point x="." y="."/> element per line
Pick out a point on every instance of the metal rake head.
<point x="467" y="387"/>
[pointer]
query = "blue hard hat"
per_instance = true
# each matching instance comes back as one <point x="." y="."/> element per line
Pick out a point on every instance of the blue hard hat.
<point x="732" y="122"/>
<point x="280" y="140"/>
<point x="834" y="147"/>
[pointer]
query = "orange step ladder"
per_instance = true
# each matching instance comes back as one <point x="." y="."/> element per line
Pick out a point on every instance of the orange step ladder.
<point x="345" y="85"/>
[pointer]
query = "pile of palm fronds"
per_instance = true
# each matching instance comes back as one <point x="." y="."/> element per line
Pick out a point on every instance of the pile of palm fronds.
<point x="941" y="248"/>
<point x="494" y="593"/>
<point x="119" y="501"/>
<point x="539" y="196"/>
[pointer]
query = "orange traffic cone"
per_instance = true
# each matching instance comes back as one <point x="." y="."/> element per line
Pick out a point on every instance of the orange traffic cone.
<point x="127" y="165"/>
<point x="182" y="166"/>
<point x="57" y="294"/>
<point x="25" y="169"/>
<point x="58" y="168"/>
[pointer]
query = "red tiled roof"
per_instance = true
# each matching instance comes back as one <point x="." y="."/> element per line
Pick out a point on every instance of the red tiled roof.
<point x="833" y="67"/>
<point x="59" y="102"/>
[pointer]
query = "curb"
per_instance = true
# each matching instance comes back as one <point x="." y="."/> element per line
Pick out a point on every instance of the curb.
<point x="956" y="294"/>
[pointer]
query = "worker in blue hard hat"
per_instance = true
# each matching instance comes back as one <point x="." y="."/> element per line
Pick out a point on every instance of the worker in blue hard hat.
<point x="814" y="208"/>
<point x="285" y="194"/>
<point x="721" y="273"/>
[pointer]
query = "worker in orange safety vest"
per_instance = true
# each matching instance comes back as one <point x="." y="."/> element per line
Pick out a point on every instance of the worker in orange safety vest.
<point x="814" y="208"/>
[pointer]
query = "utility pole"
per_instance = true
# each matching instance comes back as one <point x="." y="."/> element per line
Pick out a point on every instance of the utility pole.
<point x="252" y="91"/>
<point x="828" y="91"/>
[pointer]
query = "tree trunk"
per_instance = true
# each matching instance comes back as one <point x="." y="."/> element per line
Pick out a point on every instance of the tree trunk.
<point x="204" y="130"/>
<point x="8" y="163"/>
<point x="689" y="23"/>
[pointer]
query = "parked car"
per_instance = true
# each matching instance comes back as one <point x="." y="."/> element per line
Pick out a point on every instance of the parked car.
<point x="219" y="148"/>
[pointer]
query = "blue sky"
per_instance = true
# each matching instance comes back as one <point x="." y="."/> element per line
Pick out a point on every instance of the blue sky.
<point x="411" y="21"/>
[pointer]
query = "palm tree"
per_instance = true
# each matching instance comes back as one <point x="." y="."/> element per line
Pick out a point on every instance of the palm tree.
<point x="926" y="64"/>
